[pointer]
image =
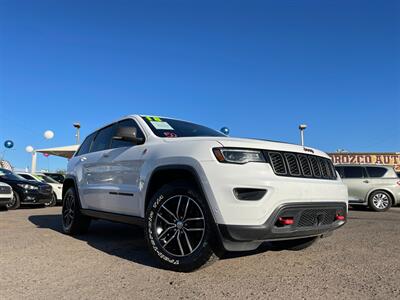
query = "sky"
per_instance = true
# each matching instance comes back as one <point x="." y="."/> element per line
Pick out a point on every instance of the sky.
<point x="260" y="68"/>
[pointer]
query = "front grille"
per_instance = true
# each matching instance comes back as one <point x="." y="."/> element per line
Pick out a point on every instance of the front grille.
<point x="45" y="189"/>
<point x="5" y="190"/>
<point x="300" y="165"/>
<point x="315" y="217"/>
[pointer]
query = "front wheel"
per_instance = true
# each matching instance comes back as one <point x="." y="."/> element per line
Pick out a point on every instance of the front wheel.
<point x="15" y="202"/>
<point x="73" y="222"/>
<point x="178" y="228"/>
<point x="52" y="202"/>
<point x="294" y="245"/>
<point x="379" y="201"/>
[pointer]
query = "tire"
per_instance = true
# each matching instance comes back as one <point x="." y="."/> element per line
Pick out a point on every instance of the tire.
<point x="380" y="201"/>
<point x="52" y="202"/>
<point x="179" y="228"/>
<point x="73" y="221"/>
<point x="15" y="202"/>
<point x="294" y="245"/>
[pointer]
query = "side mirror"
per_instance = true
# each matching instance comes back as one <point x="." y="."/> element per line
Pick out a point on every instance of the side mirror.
<point x="128" y="134"/>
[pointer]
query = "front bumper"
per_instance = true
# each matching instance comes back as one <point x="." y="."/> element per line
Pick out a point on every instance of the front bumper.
<point x="310" y="219"/>
<point x="219" y="182"/>
<point x="5" y="200"/>
<point x="34" y="197"/>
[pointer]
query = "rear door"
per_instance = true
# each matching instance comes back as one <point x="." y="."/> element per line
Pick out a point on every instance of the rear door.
<point x="357" y="182"/>
<point x="96" y="172"/>
<point x="80" y="163"/>
<point x="381" y="177"/>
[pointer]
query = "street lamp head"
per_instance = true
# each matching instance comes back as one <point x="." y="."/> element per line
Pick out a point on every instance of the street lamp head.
<point x="77" y="125"/>
<point x="302" y="126"/>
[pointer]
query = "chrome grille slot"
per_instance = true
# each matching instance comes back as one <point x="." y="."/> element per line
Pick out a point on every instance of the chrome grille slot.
<point x="277" y="163"/>
<point x="293" y="165"/>
<point x="315" y="167"/>
<point x="326" y="172"/>
<point x="305" y="165"/>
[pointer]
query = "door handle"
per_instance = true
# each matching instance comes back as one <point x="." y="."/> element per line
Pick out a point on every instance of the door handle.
<point x="366" y="181"/>
<point x="106" y="155"/>
<point x="83" y="159"/>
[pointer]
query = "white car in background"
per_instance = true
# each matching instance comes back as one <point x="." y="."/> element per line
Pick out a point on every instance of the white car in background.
<point x="198" y="192"/>
<point x="57" y="187"/>
<point x="6" y="194"/>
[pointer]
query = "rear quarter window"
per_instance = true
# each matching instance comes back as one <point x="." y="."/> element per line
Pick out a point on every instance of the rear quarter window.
<point x="376" y="172"/>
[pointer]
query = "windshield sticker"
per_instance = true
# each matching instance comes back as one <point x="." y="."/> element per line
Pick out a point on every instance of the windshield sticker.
<point x="170" y="134"/>
<point x="160" y="125"/>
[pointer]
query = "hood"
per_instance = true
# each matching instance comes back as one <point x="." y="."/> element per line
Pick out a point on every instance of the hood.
<point x="17" y="181"/>
<point x="251" y="144"/>
<point x="268" y="145"/>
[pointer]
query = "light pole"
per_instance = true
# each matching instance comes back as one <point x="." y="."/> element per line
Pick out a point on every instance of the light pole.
<point x="302" y="127"/>
<point x="77" y="126"/>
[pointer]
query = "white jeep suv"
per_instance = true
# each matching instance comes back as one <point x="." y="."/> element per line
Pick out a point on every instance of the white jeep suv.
<point x="198" y="192"/>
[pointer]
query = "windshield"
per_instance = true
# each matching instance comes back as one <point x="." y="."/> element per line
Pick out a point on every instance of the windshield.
<point x="6" y="174"/>
<point x="45" y="178"/>
<point x="171" y="128"/>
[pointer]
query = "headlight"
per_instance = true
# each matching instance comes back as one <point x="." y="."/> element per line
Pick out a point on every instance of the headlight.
<point x="238" y="156"/>
<point x="27" y="186"/>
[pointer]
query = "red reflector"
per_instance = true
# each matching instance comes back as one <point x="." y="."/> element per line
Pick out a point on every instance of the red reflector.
<point x="286" y="220"/>
<point x="340" y="218"/>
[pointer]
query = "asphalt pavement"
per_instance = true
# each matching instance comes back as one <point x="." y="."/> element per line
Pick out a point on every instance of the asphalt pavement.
<point x="359" y="261"/>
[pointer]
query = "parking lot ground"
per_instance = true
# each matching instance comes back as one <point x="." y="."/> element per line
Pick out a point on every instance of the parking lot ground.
<point x="37" y="261"/>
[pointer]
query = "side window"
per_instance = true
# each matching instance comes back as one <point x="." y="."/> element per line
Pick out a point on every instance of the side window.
<point x="340" y="171"/>
<point x="353" y="172"/>
<point x="376" y="172"/>
<point x="103" y="138"/>
<point x="127" y="123"/>
<point x="85" y="147"/>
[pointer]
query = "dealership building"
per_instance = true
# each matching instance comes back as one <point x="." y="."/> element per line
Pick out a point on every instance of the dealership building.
<point x="385" y="158"/>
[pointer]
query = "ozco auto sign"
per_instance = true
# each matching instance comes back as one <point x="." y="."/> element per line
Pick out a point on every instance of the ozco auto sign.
<point x="367" y="158"/>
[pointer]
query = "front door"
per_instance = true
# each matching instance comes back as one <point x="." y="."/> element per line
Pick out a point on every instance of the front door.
<point x="124" y="162"/>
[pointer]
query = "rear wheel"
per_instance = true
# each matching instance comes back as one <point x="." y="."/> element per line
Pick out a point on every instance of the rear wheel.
<point x="294" y="245"/>
<point x="380" y="201"/>
<point x="15" y="201"/>
<point x="178" y="228"/>
<point x="73" y="221"/>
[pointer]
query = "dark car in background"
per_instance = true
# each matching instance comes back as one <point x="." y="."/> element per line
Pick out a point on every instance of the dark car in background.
<point x="56" y="176"/>
<point x="25" y="191"/>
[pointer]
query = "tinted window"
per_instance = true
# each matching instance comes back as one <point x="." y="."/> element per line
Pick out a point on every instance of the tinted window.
<point x="26" y="176"/>
<point x="340" y="171"/>
<point x="6" y="174"/>
<point x="103" y="139"/>
<point x="127" y="123"/>
<point x="85" y="147"/>
<point x="175" y="128"/>
<point x="376" y="172"/>
<point x="353" y="172"/>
